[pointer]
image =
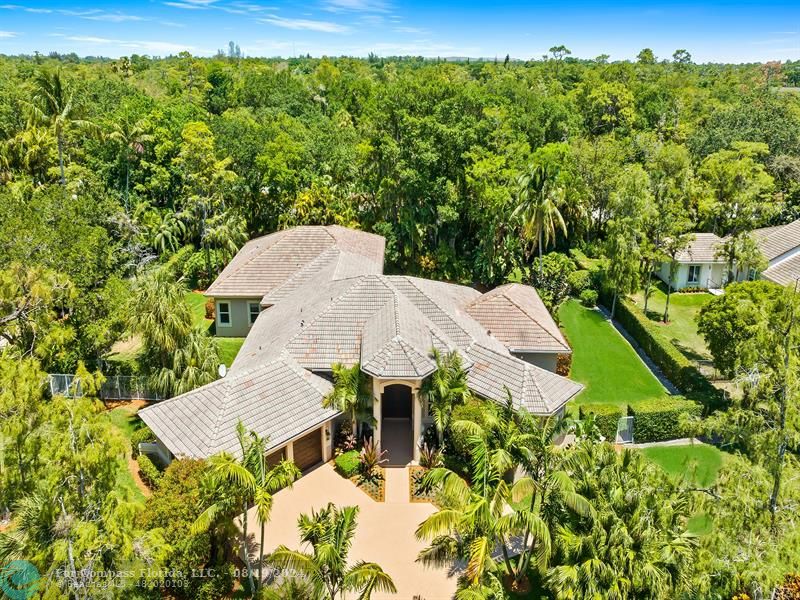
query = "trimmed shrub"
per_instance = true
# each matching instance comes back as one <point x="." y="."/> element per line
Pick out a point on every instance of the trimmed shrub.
<point x="141" y="435"/>
<point x="475" y="410"/>
<point x="589" y="298"/>
<point x="348" y="463"/>
<point x="681" y="371"/>
<point x="660" y="420"/>
<point x="148" y="471"/>
<point x="579" y="281"/>
<point x="606" y="418"/>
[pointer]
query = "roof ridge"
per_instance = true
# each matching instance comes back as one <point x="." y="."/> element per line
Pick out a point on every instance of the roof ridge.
<point x="442" y="309"/>
<point x="316" y="261"/>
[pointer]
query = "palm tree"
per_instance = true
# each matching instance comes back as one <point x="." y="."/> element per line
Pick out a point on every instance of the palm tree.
<point x="247" y="479"/>
<point x="350" y="394"/>
<point x="132" y="137"/>
<point x="539" y="198"/>
<point x="330" y="533"/>
<point x="637" y="544"/>
<point x="445" y="389"/>
<point x="168" y="232"/>
<point x="228" y="232"/>
<point x="52" y="104"/>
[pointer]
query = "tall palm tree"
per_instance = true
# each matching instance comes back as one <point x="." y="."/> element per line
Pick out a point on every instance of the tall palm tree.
<point x="445" y="389"/>
<point x="249" y="480"/>
<point x="132" y="136"/>
<point x="330" y="533"/>
<point x="169" y="230"/>
<point x="538" y="200"/>
<point x="53" y="104"/>
<point x="350" y="394"/>
<point x="228" y="232"/>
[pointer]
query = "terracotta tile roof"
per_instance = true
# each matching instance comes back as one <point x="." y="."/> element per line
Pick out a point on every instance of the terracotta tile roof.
<point x="515" y="315"/>
<point x="702" y="249"/>
<point x="776" y="241"/>
<point x="785" y="272"/>
<point x="268" y="263"/>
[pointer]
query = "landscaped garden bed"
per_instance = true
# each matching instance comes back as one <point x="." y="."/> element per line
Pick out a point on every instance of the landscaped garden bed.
<point x="416" y="491"/>
<point x="368" y="476"/>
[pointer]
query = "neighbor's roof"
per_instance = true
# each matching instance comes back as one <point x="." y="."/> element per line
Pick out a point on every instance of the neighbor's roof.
<point x="269" y="263"/>
<point x="776" y="241"/>
<point x="516" y="316"/>
<point x="278" y="400"/>
<point x="702" y="249"/>
<point x="785" y="272"/>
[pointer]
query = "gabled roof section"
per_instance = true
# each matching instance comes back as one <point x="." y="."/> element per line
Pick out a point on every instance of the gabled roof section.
<point x="702" y="249"/>
<point x="537" y="390"/>
<point x="278" y="400"/>
<point x="785" y="272"/>
<point x="269" y="263"/>
<point x="777" y="241"/>
<point x="514" y="314"/>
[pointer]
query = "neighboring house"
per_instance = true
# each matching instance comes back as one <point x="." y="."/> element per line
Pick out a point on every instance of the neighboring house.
<point x="699" y="266"/>
<point x="320" y="310"/>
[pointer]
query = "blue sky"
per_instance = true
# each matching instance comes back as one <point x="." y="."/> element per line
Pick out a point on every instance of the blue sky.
<point x="712" y="30"/>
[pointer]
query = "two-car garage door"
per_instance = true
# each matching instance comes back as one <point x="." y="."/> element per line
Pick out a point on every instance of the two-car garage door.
<point x="308" y="450"/>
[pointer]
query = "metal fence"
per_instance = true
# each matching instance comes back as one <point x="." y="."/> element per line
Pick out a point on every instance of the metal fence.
<point x="115" y="387"/>
<point x="625" y="430"/>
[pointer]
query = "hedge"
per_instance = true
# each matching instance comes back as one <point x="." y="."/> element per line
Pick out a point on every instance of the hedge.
<point x="659" y="420"/>
<point x="148" y="471"/>
<point x="606" y="418"/>
<point x="676" y="367"/>
<point x="143" y="434"/>
<point x="348" y="463"/>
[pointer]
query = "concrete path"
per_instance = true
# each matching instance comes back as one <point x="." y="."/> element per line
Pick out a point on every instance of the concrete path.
<point x="385" y="532"/>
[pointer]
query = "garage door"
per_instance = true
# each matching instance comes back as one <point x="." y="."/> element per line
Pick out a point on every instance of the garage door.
<point x="308" y="450"/>
<point x="276" y="457"/>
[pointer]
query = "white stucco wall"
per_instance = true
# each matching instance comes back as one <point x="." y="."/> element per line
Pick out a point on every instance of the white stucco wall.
<point x="711" y="275"/>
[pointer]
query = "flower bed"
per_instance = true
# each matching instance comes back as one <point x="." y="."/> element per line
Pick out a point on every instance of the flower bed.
<point x="415" y="491"/>
<point x="375" y="486"/>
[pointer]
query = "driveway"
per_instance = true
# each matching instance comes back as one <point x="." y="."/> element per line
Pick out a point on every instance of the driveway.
<point x="385" y="531"/>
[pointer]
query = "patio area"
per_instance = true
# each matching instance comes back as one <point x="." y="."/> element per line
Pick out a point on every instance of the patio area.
<point x="385" y="532"/>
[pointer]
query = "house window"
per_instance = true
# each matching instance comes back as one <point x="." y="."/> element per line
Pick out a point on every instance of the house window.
<point x="752" y="275"/>
<point x="254" y="309"/>
<point x="223" y="314"/>
<point x="694" y="274"/>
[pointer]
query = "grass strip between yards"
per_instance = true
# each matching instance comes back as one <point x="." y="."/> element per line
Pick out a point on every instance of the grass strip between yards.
<point x="604" y="361"/>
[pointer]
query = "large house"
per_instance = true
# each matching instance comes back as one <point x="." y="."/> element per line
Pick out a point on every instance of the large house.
<point x="700" y="265"/>
<point x="310" y="297"/>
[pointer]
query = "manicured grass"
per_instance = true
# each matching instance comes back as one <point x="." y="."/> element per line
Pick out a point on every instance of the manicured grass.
<point x="197" y="304"/>
<point x="603" y="361"/>
<point x="698" y="463"/>
<point x="682" y="326"/>
<point x="228" y="349"/>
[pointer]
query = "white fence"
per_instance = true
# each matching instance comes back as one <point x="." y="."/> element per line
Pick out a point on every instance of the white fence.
<point x="115" y="387"/>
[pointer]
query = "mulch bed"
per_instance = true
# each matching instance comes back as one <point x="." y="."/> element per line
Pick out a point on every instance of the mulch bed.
<point x="375" y="488"/>
<point x="415" y="492"/>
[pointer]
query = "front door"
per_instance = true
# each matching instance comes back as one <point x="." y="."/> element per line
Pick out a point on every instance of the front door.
<point x="397" y="429"/>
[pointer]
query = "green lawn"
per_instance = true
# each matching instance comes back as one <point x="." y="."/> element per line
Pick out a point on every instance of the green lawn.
<point x="699" y="463"/>
<point x="128" y="350"/>
<point x="125" y="420"/>
<point x="603" y="361"/>
<point x="682" y="326"/>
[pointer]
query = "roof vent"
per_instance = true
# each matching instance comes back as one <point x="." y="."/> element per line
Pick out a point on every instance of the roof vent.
<point x="302" y="323"/>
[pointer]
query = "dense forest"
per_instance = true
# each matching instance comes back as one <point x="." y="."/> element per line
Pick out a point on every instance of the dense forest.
<point x="126" y="183"/>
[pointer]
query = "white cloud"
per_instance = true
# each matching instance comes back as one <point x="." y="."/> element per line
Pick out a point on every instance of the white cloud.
<point x="146" y="46"/>
<point x="185" y="5"/>
<point x="355" y="5"/>
<point x="305" y="24"/>
<point x="113" y="17"/>
<point x="417" y="30"/>
<point x="8" y="34"/>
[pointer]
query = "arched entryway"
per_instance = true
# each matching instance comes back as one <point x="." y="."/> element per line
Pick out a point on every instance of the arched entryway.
<point x="397" y="429"/>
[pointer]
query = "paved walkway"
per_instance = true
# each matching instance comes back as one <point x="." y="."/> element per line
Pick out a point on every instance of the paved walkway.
<point x="678" y="442"/>
<point x="385" y="532"/>
<point x="657" y="373"/>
